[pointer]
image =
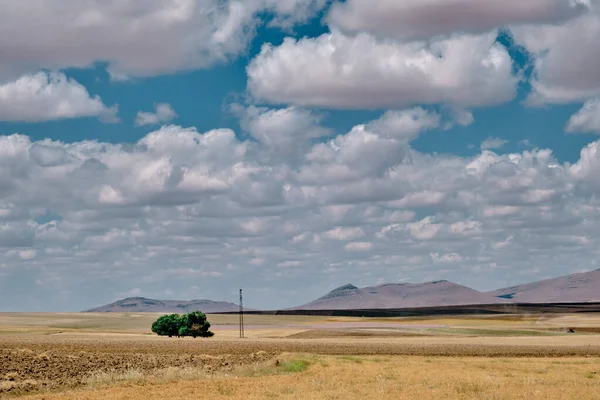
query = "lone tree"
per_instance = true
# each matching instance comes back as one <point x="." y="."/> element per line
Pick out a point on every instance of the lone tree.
<point x="167" y="325"/>
<point x="192" y="324"/>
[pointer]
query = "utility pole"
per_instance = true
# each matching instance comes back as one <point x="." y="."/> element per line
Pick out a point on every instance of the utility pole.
<point x="241" y="316"/>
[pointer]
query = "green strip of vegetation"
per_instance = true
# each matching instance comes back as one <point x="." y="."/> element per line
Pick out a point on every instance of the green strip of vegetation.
<point x="294" y="366"/>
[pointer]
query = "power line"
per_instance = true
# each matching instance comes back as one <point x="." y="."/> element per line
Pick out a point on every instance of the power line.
<point x="241" y="316"/>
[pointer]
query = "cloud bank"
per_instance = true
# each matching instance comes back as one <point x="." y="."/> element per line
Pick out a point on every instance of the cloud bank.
<point x="180" y="205"/>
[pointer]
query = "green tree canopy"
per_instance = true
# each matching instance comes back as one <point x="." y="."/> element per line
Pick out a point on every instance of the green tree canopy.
<point x="167" y="325"/>
<point x="192" y="324"/>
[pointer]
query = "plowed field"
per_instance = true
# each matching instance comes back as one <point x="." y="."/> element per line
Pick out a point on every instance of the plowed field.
<point x="27" y="367"/>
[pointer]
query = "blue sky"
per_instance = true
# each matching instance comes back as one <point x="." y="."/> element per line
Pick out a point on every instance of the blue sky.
<point x="164" y="149"/>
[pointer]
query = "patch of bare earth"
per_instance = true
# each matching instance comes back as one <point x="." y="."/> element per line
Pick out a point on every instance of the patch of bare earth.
<point x="34" y="368"/>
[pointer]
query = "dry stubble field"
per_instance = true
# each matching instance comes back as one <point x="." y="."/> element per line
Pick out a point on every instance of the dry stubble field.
<point x="113" y="356"/>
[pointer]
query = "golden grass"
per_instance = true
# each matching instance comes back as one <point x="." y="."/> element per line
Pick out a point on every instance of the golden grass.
<point x="390" y="377"/>
<point x="283" y="364"/>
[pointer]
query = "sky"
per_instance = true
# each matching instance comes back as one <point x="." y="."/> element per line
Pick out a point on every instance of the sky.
<point x="183" y="149"/>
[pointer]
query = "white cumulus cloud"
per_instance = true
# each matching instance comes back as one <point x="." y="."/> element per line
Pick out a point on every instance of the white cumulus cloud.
<point x="358" y="246"/>
<point x="27" y="254"/>
<point x="136" y="37"/>
<point x="493" y="143"/>
<point x="587" y="119"/>
<point x="344" y="72"/>
<point x="565" y="57"/>
<point x="50" y="96"/>
<point x="418" y="19"/>
<point x="284" y="132"/>
<point x="163" y="113"/>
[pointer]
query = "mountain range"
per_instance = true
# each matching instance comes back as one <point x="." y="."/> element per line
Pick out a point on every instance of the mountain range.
<point x="400" y="295"/>
<point x="142" y="304"/>
<point x="579" y="287"/>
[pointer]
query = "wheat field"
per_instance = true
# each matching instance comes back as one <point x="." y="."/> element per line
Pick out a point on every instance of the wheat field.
<point x="349" y="377"/>
<point x="115" y="356"/>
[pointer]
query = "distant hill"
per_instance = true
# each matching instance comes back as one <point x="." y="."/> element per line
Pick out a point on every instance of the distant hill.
<point x="581" y="287"/>
<point x="141" y="304"/>
<point x="400" y="295"/>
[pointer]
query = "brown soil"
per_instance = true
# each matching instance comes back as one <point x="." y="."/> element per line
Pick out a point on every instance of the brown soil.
<point x="43" y="366"/>
<point x="33" y="362"/>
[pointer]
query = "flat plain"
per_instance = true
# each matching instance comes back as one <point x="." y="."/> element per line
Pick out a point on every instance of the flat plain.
<point x="94" y="356"/>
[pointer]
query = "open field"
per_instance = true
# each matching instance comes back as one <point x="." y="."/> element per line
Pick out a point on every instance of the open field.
<point x="492" y="357"/>
<point x="269" y="326"/>
<point x="309" y="377"/>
